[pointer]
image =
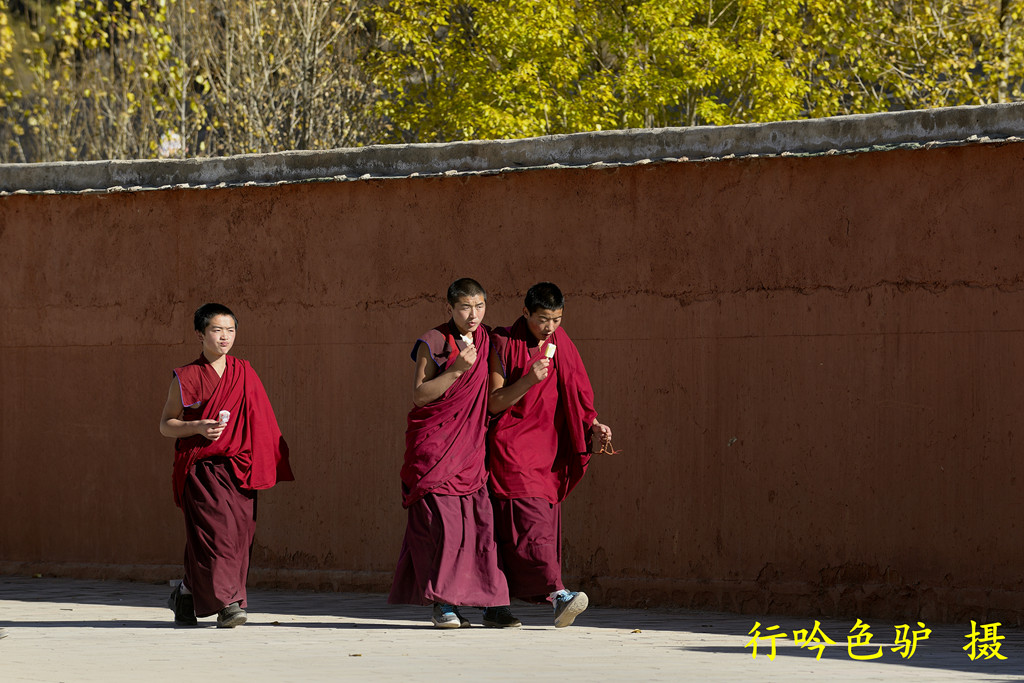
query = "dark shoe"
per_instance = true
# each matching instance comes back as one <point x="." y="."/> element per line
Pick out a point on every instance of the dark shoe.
<point x="447" y="616"/>
<point x="183" y="607"/>
<point x="568" y="606"/>
<point x="500" y="617"/>
<point x="231" y="616"/>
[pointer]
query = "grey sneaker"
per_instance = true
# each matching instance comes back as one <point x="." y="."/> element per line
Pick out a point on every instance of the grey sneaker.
<point x="231" y="616"/>
<point x="447" y="616"/>
<point x="183" y="607"/>
<point x="500" y="617"/>
<point x="568" y="606"/>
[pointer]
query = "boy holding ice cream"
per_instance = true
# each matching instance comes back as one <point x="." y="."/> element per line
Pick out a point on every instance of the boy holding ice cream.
<point x="227" y="447"/>
<point x="539" y="446"/>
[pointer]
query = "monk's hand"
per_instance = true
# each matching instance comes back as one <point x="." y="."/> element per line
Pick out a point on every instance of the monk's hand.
<point x="211" y="429"/>
<point x="601" y="435"/>
<point x="539" y="371"/>
<point x="465" y="360"/>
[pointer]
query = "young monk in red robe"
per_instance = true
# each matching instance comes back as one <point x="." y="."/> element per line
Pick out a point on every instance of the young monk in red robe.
<point x="228" y="446"/>
<point x="448" y="557"/>
<point x="539" y="447"/>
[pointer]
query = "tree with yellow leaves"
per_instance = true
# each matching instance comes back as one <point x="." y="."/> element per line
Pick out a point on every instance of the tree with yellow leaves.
<point x="134" y="78"/>
<point x="474" y="68"/>
<point x="452" y="69"/>
<point x="112" y="79"/>
<point x="879" y="55"/>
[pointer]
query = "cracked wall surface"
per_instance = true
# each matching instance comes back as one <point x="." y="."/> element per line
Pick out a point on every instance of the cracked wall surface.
<point x="811" y="364"/>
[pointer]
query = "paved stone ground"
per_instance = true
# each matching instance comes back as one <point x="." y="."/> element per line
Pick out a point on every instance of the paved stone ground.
<point x="67" y="630"/>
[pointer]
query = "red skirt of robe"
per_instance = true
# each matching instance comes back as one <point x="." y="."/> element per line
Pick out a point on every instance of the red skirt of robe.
<point x="528" y="532"/>
<point x="448" y="554"/>
<point x="220" y="522"/>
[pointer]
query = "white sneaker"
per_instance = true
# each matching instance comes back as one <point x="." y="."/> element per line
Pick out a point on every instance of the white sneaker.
<point x="568" y="606"/>
<point x="447" y="616"/>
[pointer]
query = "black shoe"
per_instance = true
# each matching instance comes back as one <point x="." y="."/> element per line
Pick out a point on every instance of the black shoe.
<point x="231" y="616"/>
<point x="183" y="607"/>
<point x="500" y="617"/>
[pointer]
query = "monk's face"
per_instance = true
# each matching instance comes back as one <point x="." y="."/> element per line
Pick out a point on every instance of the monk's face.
<point x="543" y="322"/>
<point x="219" y="336"/>
<point x="468" y="313"/>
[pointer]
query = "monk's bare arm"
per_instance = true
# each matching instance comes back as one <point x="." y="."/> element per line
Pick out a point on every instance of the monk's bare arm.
<point x="428" y="384"/>
<point x="503" y="397"/>
<point x="173" y="426"/>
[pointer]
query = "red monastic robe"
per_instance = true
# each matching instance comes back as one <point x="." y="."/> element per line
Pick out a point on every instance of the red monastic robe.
<point x="540" y="447"/>
<point x="448" y="553"/>
<point x="252" y="439"/>
<point x="445" y="442"/>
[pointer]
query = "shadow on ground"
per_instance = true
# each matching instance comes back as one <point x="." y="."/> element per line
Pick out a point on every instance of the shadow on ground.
<point x="943" y="650"/>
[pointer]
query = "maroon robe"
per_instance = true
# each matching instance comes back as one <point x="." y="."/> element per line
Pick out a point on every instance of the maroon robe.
<point x="220" y="523"/>
<point x="448" y="553"/>
<point x="445" y="441"/>
<point x="252" y="439"/>
<point x="538" y="450"/>
<point x="215" y="482"/>
<point x="540" y="447"/>
<point x="529" y="536"/>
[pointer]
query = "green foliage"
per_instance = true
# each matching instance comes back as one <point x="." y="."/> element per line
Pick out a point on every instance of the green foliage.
<point x="91" y="79"/>
<point x="877" y="55"/>
<point x="120" y="79"/>
<point x="689" y="63"/>
<point x="96" y="82"/>
<point x="475" y="68"/>
<point x="10" y="95"/>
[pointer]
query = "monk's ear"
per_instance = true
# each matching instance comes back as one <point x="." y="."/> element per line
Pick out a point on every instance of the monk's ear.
<point x="526" y="312"/>
<point x="199" y="336"/>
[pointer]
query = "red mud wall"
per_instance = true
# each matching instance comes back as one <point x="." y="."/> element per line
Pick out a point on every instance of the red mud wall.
<point x="812" y="367"/>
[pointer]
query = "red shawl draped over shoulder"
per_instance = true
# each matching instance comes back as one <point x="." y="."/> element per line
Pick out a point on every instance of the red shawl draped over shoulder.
<point x="511" y="459"/>
<point x="446" y="440"/>
<point x="252" y="439"/>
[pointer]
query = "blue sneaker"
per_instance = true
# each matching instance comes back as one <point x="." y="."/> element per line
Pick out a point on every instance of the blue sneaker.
<point x="568" y="606"/>
<point x="447" y="616"/>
